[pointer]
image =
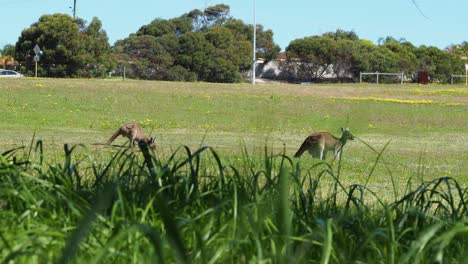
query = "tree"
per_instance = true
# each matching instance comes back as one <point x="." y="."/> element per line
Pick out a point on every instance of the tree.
<point x="464" y="48"/>
<point x="345" y="58"/>
<point x="458" y="50"/>
<point x="267" y="49"/>
<point x="8" y="50"/>
<point x="364" y="48"/>
<point x="206" y="45"/>
<point x="144" y="56"/>
<point x="161" y="27"/>
<point x="340" y="55"/>
<point x="340" y="34"/>
<point x="69" y="47"/>
<point x="98" y="58"/>
<point x="217" y="15"/>
<point x="215" y="55"/>
<point x="310" y="58"/>
<point x="407" y="61"/>
<point x="231" y="56"/>
<point x="383" y="60"/>
<point x="7" y="56"/>
<point x="58" y="37"/>
<point x="439" y="64"/>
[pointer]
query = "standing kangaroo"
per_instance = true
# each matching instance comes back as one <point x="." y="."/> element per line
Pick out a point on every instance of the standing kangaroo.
<point x="319" y="143"/>
<point x="134" y="133"/>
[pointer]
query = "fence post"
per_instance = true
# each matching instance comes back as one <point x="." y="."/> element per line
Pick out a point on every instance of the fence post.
<point x="451" y="82"/>
<point x="124" y="73"/>
<point x="401" y="77"/>
<point x="360" y="77"/>
<point x="377" y="77"/>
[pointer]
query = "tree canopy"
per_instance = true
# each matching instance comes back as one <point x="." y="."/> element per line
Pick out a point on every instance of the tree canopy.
<point x="341" y="55"/>
<point x="70" y="48"/>
<point x="210" y="45"/>
<point x="206" y="45"/>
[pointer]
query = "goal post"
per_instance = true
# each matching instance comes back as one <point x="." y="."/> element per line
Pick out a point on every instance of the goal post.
<point x="378" y="74"/>
<point x="459" y="76"/>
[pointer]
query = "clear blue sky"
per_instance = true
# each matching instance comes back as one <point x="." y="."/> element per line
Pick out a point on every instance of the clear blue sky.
<point x="435" y="23"/>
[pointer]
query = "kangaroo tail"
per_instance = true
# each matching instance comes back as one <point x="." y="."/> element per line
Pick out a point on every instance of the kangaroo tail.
<point x="114" y="136"/>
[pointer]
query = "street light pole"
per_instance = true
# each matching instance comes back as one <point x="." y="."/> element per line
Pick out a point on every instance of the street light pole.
<point x="254" y="46"/>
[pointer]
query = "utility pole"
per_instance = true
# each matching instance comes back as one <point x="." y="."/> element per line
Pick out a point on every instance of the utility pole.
<point x="254" y="46"/>
<point x="74" y="9"/>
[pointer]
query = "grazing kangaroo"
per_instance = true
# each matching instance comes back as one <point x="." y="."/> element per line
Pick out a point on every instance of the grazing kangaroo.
<point x="134" y="133"/>
<point x="319" y="143"/>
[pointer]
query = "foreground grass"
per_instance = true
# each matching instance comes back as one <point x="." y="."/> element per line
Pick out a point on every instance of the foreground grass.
<point x="192" y="207"/>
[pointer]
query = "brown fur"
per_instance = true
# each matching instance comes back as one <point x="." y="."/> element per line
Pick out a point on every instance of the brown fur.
<point x="319" y="143"/>
<point x="134" y="133"/>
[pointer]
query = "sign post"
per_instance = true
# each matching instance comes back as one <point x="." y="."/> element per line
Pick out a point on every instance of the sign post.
<point x="37" y="51"/>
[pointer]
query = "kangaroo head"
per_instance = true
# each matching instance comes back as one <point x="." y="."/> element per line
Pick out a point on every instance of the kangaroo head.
<point x="152" y="143"/>
<point x="346" y="134"/>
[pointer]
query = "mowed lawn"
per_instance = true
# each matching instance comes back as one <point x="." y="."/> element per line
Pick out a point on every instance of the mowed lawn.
<point x="424" y="128"/>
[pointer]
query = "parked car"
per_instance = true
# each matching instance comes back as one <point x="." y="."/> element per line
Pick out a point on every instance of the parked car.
<point x="10" y="74"/>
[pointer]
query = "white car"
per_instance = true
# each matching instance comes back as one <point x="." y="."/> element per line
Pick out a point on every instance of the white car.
<point x="10" y="74"/>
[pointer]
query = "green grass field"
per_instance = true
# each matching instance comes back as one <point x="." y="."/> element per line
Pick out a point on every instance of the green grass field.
<point x="245" y="199"/>
<point x="426" y="126"/>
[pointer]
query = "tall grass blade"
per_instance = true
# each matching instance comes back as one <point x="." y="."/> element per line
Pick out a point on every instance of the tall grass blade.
<point x="102" y="202"/>
<point x="161" y="202"/>
<point x="39" y="145"/>
<point x="284" y="214"/>
<point x="328" y="243"/>
<point x="445" y="239"/>
<point x="392" y="243"/>
<point x="154" y="236"/>
<point x="417" y="248"/>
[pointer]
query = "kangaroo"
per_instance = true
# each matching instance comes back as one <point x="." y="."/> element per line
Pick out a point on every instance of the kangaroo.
<point x="134" y="133"/>
<point x="319" y="143"/>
